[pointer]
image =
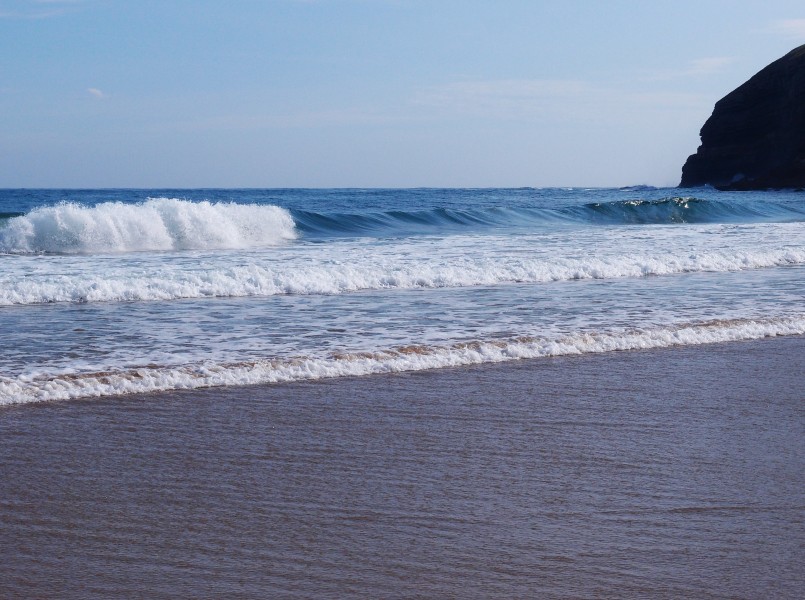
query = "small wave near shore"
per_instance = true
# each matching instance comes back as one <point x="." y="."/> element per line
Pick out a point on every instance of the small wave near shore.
<point x="151" y="378"/>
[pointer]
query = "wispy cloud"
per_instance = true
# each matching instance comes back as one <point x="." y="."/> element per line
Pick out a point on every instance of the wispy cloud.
<point x="40" y="9"/>
<point x="506" y="96"/>
<point x="96" y="93"/>
<point x="788" y="28"/>
<point x="551" y="99"/>
<point x="305" y="120"/>
<point x="43" y="14"/>
<point x="698" y="67"/>
<point x="708" y="66"/>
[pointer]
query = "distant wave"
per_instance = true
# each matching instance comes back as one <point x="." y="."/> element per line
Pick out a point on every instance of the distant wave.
<point x="687" y="210"/>
<point x="158" y="224"/>
<point x="62" y="386"/>
<point x="637" y="212"/>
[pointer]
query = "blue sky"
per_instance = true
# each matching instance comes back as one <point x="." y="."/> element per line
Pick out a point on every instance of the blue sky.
<point x="370" y="93"/>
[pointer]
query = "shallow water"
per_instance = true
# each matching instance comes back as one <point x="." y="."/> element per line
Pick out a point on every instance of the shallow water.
<point x="663" y="473"/>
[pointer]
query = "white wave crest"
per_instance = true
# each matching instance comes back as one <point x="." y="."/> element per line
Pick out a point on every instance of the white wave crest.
<point x="308" y="276"/>
<point x="26" y="389"/>
<point x="158" y="224"/>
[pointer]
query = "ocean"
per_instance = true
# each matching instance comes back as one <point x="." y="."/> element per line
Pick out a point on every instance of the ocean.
<point x="109" y="292"/>
<point x="527" y="393"/>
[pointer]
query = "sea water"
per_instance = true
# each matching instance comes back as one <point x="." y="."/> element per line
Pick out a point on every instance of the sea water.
<point x="105" y="292"/>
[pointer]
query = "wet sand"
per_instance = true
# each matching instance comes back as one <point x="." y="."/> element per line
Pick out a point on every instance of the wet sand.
<point x="649" y="474"/>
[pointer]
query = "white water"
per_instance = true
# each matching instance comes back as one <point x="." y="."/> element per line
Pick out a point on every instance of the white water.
<point x="161" y="224"/>
<point x="121" y="297"/>
<point x="426" y="262"/>
<point x="25" y="389"/>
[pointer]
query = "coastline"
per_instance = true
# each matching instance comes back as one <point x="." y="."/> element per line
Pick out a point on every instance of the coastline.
<point x="666" y="472"/>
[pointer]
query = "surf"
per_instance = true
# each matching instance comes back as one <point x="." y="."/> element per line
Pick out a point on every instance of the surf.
<point x="151" y="378"/>
<point x="172" y="224"/>
<point x="157" y="224"/>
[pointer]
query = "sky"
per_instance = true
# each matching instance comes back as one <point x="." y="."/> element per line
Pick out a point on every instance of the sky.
<point x="370" y="93"/>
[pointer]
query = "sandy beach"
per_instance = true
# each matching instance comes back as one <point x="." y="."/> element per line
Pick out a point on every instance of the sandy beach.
<point x="662" y="473"/>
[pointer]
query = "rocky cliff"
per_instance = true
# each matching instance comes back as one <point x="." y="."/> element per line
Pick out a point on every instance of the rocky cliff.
<point x="755" y="138"/>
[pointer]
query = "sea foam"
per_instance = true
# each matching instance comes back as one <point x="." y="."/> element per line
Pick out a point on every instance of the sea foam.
<point x="158" y="224"/>
<point x="257" y="276"/>
<point x="45" y="387"/>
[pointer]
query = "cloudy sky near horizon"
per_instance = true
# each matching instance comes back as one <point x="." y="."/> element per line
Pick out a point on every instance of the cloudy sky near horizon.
<point x="370" y="93"/>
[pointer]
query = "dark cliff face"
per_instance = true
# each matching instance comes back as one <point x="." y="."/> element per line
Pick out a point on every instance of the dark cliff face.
<point x="755" y="138"/>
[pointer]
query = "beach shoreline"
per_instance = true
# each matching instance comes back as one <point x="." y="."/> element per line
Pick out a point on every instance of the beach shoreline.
<point x="674" y="472"/>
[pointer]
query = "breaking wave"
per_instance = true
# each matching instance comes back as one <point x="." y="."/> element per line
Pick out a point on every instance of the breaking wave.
<point x="151" y="378"/>
<point x="168" y="224"/>
<point x="175" y="281"/>
<point x="158" y="224"/>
